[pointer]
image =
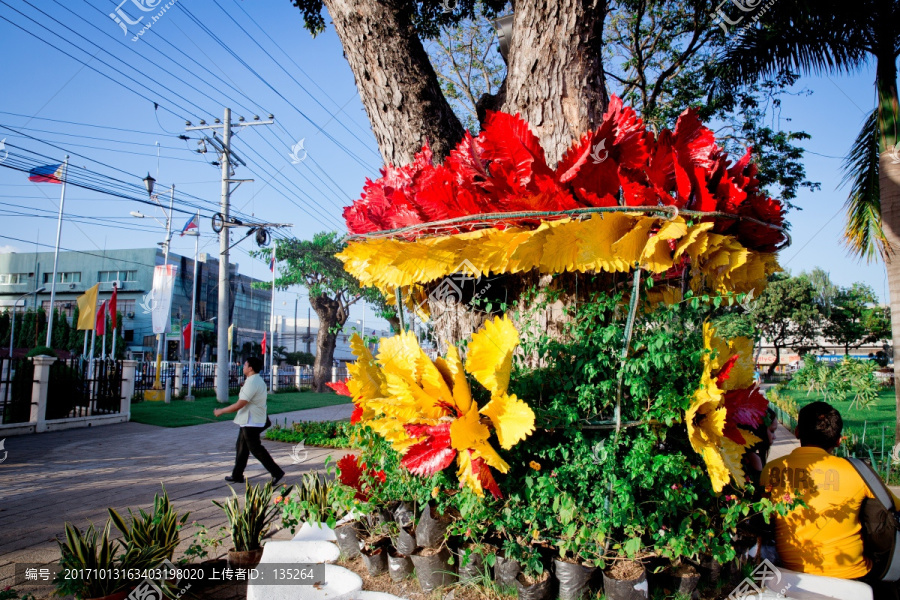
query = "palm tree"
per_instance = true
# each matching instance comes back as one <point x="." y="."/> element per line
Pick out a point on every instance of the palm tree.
<point x="839" y="37"/>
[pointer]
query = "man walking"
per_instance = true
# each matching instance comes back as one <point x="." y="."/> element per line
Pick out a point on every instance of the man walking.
<point x="251" y="417"/>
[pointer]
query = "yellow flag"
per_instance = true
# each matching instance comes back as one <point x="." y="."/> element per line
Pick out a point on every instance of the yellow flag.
<point x="231" y="335"/>
<point x="87" y="308"/>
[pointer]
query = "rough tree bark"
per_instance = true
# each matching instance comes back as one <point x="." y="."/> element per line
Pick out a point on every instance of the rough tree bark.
<point x="396" y="81"/>
<point x="331" y="314"/>
<point x="555" y="78"/>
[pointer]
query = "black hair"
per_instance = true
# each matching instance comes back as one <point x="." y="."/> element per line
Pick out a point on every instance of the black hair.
<point x="255" y="363"/>
<point x="819" y="424"/>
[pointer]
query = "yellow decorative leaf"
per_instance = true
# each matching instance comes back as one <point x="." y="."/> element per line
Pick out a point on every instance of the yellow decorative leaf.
<point x="512" y="418"/>
<point x="630" y="246"/>
<point x="468" y="431"/>
<point x="452" y="369"/>
<point x="490" y="354"/>
<point x="561" y="249"/>
<point x="596" y="239"/>
<point x="657" y="256"/>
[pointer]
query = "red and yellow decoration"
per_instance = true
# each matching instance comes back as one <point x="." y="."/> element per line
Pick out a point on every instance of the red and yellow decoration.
<point x="425" y="409"/>
<point x="496" y="204"/>
<point x="727" y="402"/>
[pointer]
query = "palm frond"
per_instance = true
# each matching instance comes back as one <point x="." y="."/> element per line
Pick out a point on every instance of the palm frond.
<point x="817" y="37"/>
<point x="863" y="234"/>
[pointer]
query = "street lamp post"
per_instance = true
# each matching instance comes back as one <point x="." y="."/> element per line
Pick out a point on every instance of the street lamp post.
<point x="149" y="183"/>
<point x="12" y="327"/>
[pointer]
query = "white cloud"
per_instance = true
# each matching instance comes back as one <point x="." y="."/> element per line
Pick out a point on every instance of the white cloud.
<point x="7" y="248"/>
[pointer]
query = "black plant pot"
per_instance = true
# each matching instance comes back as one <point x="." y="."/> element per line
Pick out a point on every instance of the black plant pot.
<point x="404" y="514"/>
<point x="505" y="571"/>
<point x="348" y="539"/>
<point x="376" y="561"/>
<point x="626" y="589"/>
<point x="539" y="590"/>
<point x="406" y="542"/>
<point x="400" y="566"/>
<point x="433" y="569"/>
<point x="431" y="532"/>
<point x="685" y="584"/>
<point x="474" y="569"/>
<point x="574" y="579"/>
<point x="379" y="517"/>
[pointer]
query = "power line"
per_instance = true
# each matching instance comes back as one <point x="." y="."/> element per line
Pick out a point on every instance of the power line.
<point x="99" y="72"/>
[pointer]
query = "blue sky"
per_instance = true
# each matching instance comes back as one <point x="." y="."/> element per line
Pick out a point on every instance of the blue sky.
<point x="307" y="84"/>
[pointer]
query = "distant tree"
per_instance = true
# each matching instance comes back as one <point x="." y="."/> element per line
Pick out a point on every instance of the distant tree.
<point x="825" y="290"/>
<point x="786" y="314"/>
<point x="856" y="319"/>
<point x="300" y="358"/>
<point x="332" y="291"/>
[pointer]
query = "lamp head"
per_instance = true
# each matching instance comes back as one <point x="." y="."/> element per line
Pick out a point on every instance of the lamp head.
<point x="149" y="182"/>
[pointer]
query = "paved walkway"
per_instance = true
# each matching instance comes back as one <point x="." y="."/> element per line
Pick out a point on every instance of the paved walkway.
<point x="49" y="479"/>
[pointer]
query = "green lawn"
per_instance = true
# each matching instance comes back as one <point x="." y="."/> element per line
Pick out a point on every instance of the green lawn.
<point x="181" y="414"/>
<point x="881" y="412"/>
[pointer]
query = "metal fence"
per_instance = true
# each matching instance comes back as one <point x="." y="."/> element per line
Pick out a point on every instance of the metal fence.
<point x="203" y="377"/>
<point x="145" y="375"/>
<point x="776" y="377"/>
<point x="16" y="379"/>
<point x="79" y="388"/>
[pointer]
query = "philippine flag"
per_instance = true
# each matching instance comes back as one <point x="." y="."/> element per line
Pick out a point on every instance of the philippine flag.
<point x="46" y="174"/>
<point x="192" y="227"/>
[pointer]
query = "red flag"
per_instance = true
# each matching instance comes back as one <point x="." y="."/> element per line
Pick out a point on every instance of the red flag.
<point x="186" y="336"/>
<point x="112" y="308"/>
<point x="100" y="323"/>
<point x="264" y="344"/>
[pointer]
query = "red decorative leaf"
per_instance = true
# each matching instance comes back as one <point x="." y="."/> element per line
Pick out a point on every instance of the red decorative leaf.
<point x="431" y="455"/>
<point x="483" y="472"/>
<point x="725" y="371"/>
<point x="340" y="387"/>
<point x="357" y="414"/>
<point x="745" y="407"/>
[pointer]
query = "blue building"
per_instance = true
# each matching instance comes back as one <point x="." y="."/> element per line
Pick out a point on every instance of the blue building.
<point x="21" y="273"/>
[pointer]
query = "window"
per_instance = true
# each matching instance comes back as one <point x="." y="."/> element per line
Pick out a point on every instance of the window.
<point x="66" y="307"/>
<point x="13" y="278"/>
<point x="107" y="276"/>
<point x="125" y="307"/>
<point x="64" y="277"/>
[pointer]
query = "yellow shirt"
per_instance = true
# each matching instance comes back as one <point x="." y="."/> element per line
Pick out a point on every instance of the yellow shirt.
<point x="826" y="538"/>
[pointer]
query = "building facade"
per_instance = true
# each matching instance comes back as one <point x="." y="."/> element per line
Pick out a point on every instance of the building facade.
<point x="21" y="273"/>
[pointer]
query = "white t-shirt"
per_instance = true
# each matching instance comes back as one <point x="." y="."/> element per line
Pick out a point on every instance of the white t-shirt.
<point x="255" y="393"/>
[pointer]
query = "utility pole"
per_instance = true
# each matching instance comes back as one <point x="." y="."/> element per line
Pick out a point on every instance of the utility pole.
<point x="296" y="302"/>
<point x="223" y="146"/>
<point x="308" y="319"/>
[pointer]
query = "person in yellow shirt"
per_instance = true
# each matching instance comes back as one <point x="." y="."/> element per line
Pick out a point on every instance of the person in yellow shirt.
<point x="825" y="537"/>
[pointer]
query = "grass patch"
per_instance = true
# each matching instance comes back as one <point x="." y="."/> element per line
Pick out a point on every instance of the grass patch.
<point x="182" y="414"/>
<point x="328" y="434"/>
<point x="881" y="412"/>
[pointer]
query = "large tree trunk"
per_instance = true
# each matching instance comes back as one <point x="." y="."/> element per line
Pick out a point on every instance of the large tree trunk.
<point x="555" y="78"/>
<point x="396" y="81"/>
<point x="889" y="189"/>
<point x="331" y="314"/>
<point x="889" y="182"/>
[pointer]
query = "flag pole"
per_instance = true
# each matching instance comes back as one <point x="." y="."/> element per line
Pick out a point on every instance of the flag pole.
<point x="117" y="322"/>
<point x="62" y="201"/>
<point x="272" y="328"/>
<point x="193" y="310"/>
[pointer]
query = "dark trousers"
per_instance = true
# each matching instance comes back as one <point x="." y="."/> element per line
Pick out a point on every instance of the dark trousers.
<point x="248" y="443"/>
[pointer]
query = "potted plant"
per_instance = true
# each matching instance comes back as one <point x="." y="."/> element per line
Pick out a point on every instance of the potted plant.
<point x="249" y="524"/>
<point x="534" y="581"/>
<point x="205" y="548"/>
<point x="375" y="544"/>
<point x="625" y="579"/>
<point x="578" y="545"/>
<point x="160" y="527"/>
<point x="92" y="552"/>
